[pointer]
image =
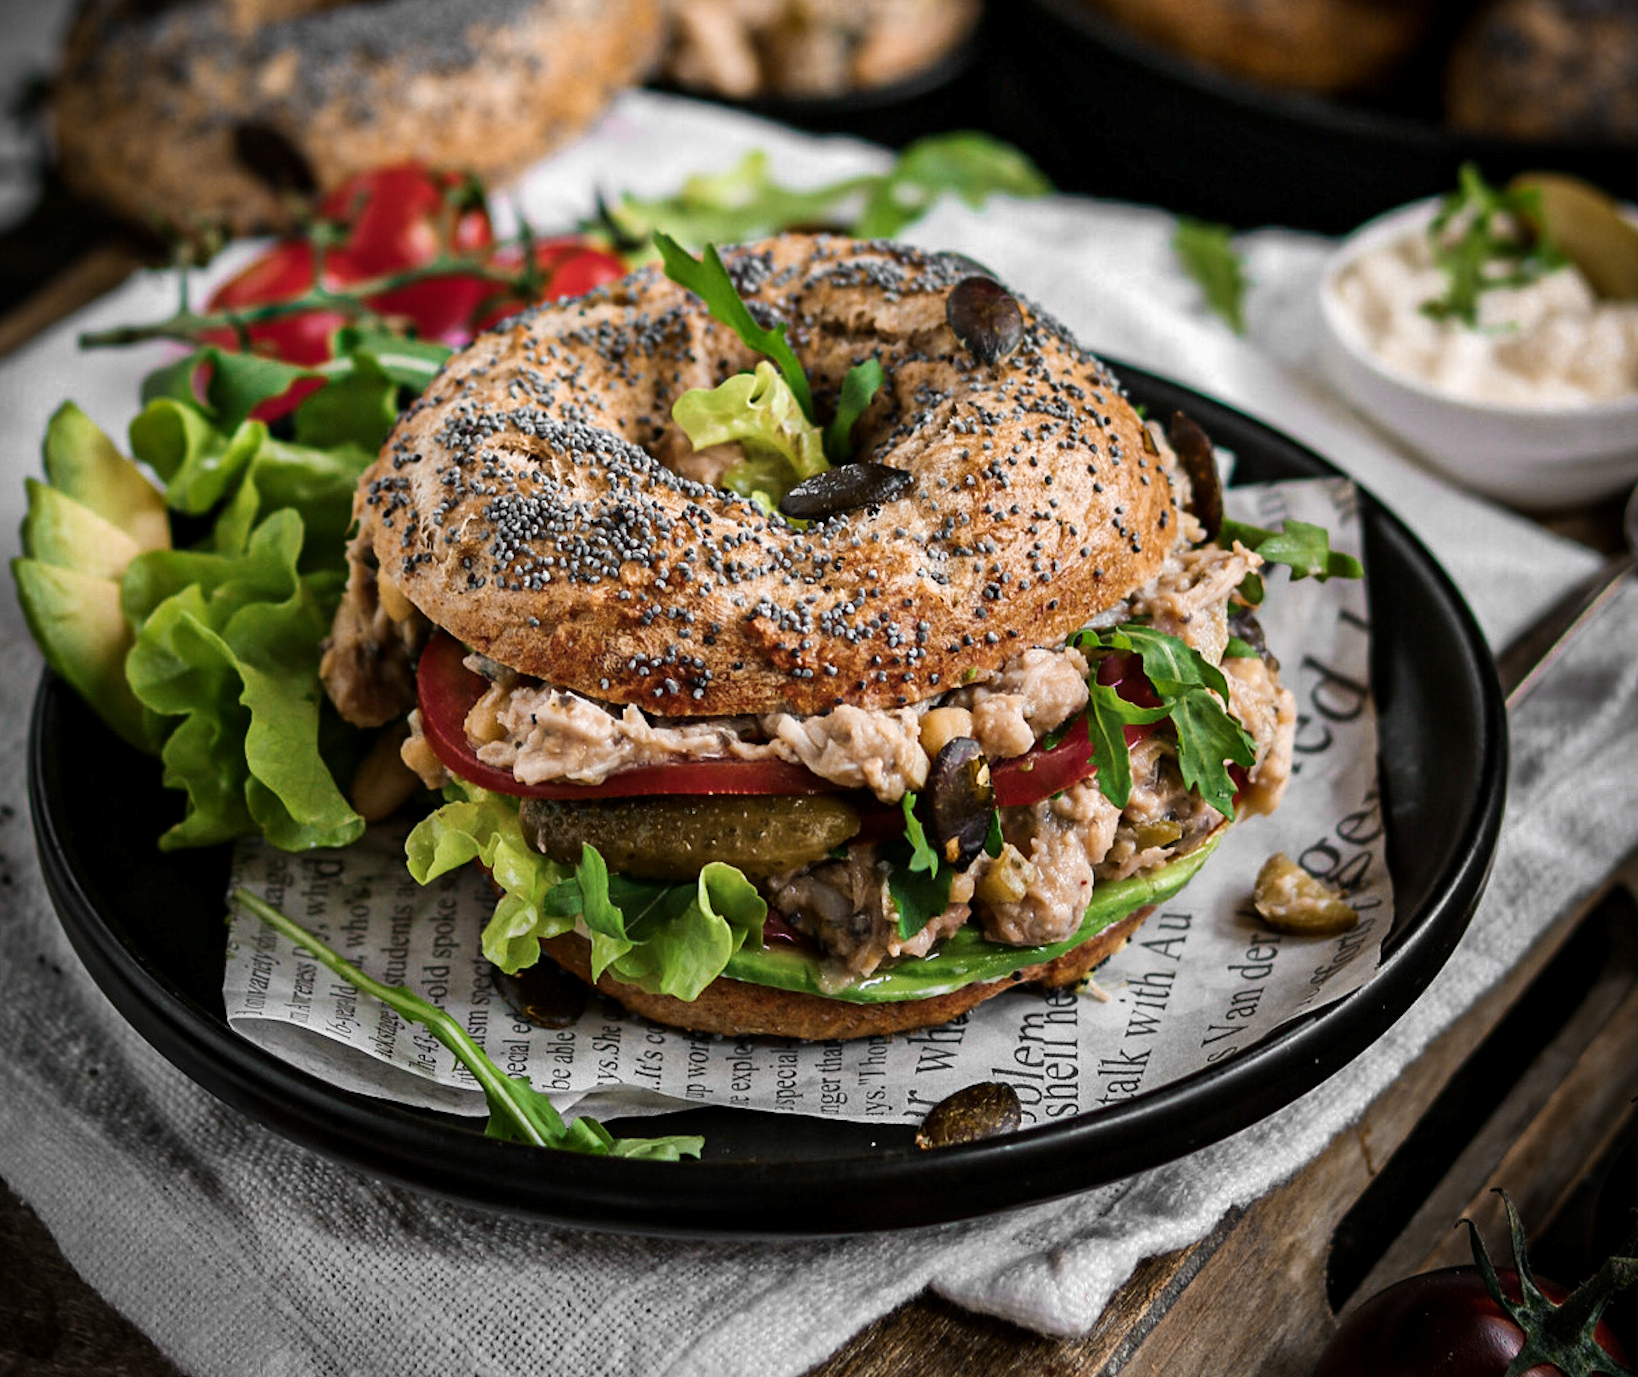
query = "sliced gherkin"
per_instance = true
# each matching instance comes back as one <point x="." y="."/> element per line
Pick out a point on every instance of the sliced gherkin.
<point x="671" y="838"/>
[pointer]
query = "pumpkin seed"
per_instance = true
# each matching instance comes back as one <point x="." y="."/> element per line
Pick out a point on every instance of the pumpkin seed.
<point x="985" y="318"/>
<point x="985" y="1110"/>
<point x="843" y="489"/>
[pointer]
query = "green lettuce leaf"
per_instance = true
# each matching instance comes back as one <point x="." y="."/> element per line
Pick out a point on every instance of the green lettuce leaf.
<point x="759" y="410"/>
<point x="664" y="937"/>
<point x="243" y="476"/>
<point x="475" y="825"/>
<point x="231" y="645"/>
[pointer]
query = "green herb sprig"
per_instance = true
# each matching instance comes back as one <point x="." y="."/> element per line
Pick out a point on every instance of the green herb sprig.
<point x="745" y="201"/>
<point x="1207" y="254"/>
<point x="708" y="279"/>
<point x="1193" y="696"/>
<point x="1305" y="549"/>
<point x="1482" y="239"/>
<point x="517" y="1111"/>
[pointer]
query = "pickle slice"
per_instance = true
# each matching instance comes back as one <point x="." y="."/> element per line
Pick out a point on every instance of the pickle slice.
<point x="672" y="838"/>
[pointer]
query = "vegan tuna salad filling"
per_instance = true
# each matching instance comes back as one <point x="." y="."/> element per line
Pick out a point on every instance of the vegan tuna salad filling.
<point x="1053" y="850"/>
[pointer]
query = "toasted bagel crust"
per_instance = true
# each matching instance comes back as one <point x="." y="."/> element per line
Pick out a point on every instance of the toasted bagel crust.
<point x="526" y="505"/>
<point x="738" y="1008"/>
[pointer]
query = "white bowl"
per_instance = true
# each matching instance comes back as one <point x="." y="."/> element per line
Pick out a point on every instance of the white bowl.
<point x="1537" y="457"/>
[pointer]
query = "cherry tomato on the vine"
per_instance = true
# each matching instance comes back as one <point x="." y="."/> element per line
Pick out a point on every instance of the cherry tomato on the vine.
<point x="383" y="223"/>
<point x="1444" y="1324"/>
<point x="568" y="265"/>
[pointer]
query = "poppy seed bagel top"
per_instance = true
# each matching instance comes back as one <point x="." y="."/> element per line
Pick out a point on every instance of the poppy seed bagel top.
<point x="525" y="502"/>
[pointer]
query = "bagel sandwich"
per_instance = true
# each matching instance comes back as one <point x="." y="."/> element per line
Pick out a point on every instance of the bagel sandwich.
<point x="821" y="760"/>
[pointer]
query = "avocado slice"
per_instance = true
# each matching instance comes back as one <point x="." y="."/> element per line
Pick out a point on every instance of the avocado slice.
<point x="60" y="531"/>
<point x="76" y="620"/>
<point x="966" y="957"/>
<point x="85" y="465"/>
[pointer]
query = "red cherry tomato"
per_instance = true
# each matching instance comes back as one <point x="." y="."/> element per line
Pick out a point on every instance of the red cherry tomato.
<point x="569" y="267"/>
<point x="389" y="220"/>
<point x="446" y="690"/>
<point x="1441" y="1324"/>
<point x="398" y="217"/>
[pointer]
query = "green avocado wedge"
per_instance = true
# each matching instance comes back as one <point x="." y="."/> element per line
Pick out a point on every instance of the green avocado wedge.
<point x="965" y="957"/>
<point x="75" y="619"/>
<point x="84" y="464"/>
<point x="60" y="531"/>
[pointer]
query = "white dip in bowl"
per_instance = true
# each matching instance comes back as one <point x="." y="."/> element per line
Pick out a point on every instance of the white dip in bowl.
<point x="1536" y="405"/>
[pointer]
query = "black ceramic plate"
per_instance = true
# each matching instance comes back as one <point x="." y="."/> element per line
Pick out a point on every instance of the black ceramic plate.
<point x="149" y="928"/>
<point x="1107" y="113"/>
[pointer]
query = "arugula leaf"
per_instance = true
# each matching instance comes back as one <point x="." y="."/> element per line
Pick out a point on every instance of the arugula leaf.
<point x="974" y="166"/>
<point x="709" y="280"/>
<point x="859" y="387"/>
<point x="1107" y="716"/>
<point x="1481" y="240"/>
<point x="1236" y="649"/>
<point x="1193" y="695"/>
<point x="919" y="895"/>
<point x="1207" y="254"/>
<point x="745" y="202"/>
<point x="923" y="859"/>
<point x="1303" y="548"/>
<point x="517" y="1111"/>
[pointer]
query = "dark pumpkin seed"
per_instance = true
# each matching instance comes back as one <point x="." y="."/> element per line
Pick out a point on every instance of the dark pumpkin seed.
<point x="544" y="994"/>
<point x="1194" y="451"/>
<point x="985" y="1110"/>
<point x="960" y="798"/>
<point x="984" y="317"/>
<point x="843" y="489"/>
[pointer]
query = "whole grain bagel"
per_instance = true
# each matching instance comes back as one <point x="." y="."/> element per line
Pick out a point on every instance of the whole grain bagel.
<point x="530" y="503"/>
<point x="215" y="110"/>
<point x="733" y="1007"/>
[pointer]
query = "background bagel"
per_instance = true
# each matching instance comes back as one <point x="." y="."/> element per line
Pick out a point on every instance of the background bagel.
<point x="525" y="503"/>
<point x="207" y="112"/>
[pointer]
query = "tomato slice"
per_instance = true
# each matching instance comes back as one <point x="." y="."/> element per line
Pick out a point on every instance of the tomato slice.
<point x="446" y="691"/>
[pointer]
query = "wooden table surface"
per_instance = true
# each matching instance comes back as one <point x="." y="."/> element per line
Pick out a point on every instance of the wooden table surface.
<point x="1567" y="1104"/>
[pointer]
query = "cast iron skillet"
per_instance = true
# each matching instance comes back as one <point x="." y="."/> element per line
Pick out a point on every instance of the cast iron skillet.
<point x="150" y="930"/>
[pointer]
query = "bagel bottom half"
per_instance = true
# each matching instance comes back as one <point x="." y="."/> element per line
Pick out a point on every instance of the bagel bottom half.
<point x="737" y="1006"/>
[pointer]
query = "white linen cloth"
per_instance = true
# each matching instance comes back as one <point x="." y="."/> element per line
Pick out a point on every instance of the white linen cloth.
<point x="239" y="1253"/>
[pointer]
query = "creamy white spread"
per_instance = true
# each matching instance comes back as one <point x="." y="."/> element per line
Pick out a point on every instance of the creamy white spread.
<point x="1552" y="343"/>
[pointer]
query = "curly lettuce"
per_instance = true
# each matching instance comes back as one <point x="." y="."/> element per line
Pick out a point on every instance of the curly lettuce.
<point x="666" y="938"/>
